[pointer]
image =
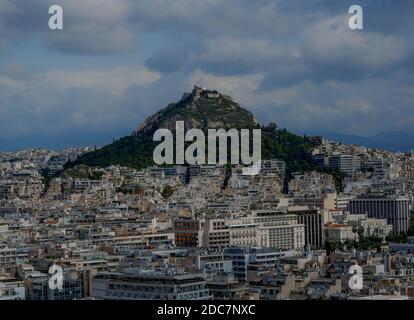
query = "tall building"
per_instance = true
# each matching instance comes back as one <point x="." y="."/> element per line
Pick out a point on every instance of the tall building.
<point x="393" y="208"/>
<point x="38" y="287"/>
<point x="245" y="256"/>
<point x="187" y="232"/>
<point x="268" y="228"/>
<point x="345" y="163"/>
<point x="216" y="233"/>
<point x="7" y="258"/>
<point x="313" y="221"/>
<point x="279" y="229"/>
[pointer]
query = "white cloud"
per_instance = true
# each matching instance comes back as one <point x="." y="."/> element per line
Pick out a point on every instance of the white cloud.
<point x="114" y="81"/>
<point x="7" y="83"/>
<point x="94" y="27"/>
<point x="64" y="100"/>
<point x="330" y="41"/>
<point x="236" y="86"/>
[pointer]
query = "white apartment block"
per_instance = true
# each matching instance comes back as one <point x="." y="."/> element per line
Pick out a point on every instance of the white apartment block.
<point x="267" y="228"/>
<point x="7" y="257"/>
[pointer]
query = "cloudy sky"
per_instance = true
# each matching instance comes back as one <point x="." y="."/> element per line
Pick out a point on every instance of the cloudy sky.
<point x="117" y="61"/>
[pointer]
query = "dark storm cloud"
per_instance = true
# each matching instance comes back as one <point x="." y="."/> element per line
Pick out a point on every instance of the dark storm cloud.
<point x="90" y="27"/>
<point x="320" y="48"/>
<point x="293" y="62"/>
<point x="234" y="36"/>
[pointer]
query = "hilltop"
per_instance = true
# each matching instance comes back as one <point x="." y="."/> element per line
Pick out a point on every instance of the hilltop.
<point x="204" y="109"/>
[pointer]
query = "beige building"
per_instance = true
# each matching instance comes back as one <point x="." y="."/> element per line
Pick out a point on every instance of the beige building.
<point x="340" y="232"/>
<point x="267" y="228"/>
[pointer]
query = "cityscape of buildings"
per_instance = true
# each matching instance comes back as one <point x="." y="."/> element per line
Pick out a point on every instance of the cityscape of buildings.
<point x="202" y="232"/>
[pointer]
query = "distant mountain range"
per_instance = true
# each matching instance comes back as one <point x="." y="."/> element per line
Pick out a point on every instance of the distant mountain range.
<point x="392" y="141"/>
<point x="60" y="142"/>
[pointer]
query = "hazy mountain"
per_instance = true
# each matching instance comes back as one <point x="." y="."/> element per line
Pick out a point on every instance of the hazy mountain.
<point x="391" y="141"/>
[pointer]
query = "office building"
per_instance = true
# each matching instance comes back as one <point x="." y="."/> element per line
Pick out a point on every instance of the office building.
<point x="345" y="163"/>
<point x="395" y="209"/>
<point x="149" y="286"/>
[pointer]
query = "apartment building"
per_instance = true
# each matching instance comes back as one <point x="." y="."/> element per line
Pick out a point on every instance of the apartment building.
<point x="226" y="287"/>
<point x="7" y="190"/>
<point x="188" y="232"/>
<point x="8" y="258"/>
<point x="216" y="233"/>
<point x="268" y="228"/>
<point x="37" y="287"/>
<point x="149" y="286"/>
<point x="243" y="257"/>
<point x="274" y="286"/>
<point x="11" y="289"/>
<point x="279" y="229"/>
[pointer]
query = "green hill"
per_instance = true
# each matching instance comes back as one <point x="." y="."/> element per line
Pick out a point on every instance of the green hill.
<point x="205" y="109"/>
